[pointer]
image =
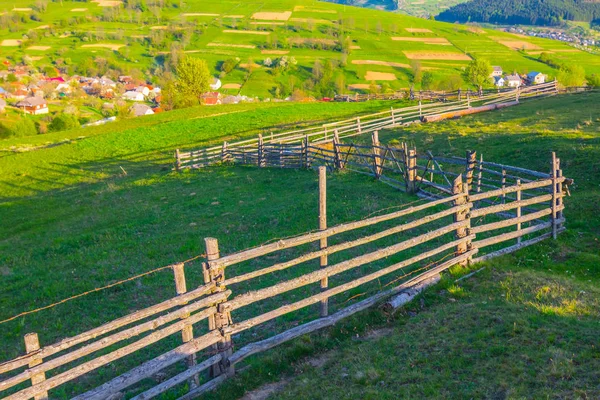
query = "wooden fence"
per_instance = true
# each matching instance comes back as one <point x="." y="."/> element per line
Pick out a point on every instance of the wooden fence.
<point x="364" y="124"/>
<point x="478" y="210"/>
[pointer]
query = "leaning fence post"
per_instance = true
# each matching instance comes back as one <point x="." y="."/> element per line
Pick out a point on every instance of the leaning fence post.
<point x="393" y="116"/>
<point x="480" y="173"/>
<point x="187" y="333"/>
<point x="336" y="149"/>
<point x="411" y="170"/>
<point x="224" y="152"/>
<point x="471" y="161"/>
<point x="32" y="344"/>
<point x="260" y="151"/>
<point x="222" y="318"/>
<point x="307" y="154"/>
<point x="322" y="227"/>
<point x="519" y="209"/>
<point x="376" y="154"/>
<point x="177" y="160"/>
<point x="559" y="190"/>
<point x="464" y="215"/>
<point x="358" y="125"/>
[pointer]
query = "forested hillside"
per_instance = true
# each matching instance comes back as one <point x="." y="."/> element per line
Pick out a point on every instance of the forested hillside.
<point x="528" y="12"/>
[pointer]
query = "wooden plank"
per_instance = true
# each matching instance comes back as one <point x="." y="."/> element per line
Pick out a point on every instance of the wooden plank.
<point x="311" y="237"/>
<point x="513" y="248"/>
<point x="207" y="387"/>
<point x="32" y="345"/>
<point x="150" y="367"/>
<point x="91" y="365"/>
<point x="509" y="206"/>
<point x="261" y="294"/>
<point x="512" y="221"/>
<point x="322" y="227"/>
<point x="187" y="333"/>
<point x="106" y="328"/>
<point x="347" y="245"/>
<point x="239" y="327"/>
<point x="177" y="379"/>
<point x="112" y="339"/>
<point x="511" y="235"/>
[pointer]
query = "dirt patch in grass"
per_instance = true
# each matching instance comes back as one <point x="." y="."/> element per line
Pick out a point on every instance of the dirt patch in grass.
<point x="272" y="16"/>
<point x="442" y="41"/>
<point x="384" y="63"/>
<point x="247" y="66"/>
<point x="261" y="33"/>
<point x="267" y="23"/>
<point x="275" y="52"/>
<point x="379" y="76"/>
<point x="515" y="44"/>
<point x="266" y="391"/>
<point x="22" y="9"/>
<point x="309" y="41"/>
<point x="476" y="30"/>
<point x="159" y="28"/>
<point x="200" y="15"/>
<point x="11" y="43"/>
<point x="315" y="21"/>
<point x="433" y="55"/>
<point x="418" y="30"/>
<point x="43" y="27"/>
<point x="234" y="16"/>
<point x="40" y="48"/>
<point x="108" y="3"/>
<point x="313" y="10"/>
<point x="231" y="86"/>
<point x="234" y="46"/>
<point x="354" y="47"/>
<point x="36" y="58"/>
<point x="110" y="46"/>
<point x="564" y="51"/>
<point x="361" y="86"/>
<point x="78" y="9"/>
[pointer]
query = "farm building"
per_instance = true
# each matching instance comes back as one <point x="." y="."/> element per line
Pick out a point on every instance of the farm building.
<point x="499" y="81"/>
<point x="33" y="105"/>
<point x="143" y="90"/>
<point x="2" y="105"/>
<point x="141" y="109"/>
<point x="134" y="96"/>
<point x="496" y="71"/>
<point x="216" y="84"/>
<point x="211" y="99"/>
<point x="513" y="81"/>
<point x="535" y="78"/>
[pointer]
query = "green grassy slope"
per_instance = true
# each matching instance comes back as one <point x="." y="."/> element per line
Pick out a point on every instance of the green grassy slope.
<point x="74" y="220"/>
<point x="371" y="32"/>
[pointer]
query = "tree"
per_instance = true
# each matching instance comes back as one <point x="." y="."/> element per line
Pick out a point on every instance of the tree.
<point x="317" y="70"/>
<point x="427" y="80"/>
<point x="451" y="83"/>
<point x="478" y="72"/>
<point x="417" y="71"/>
<point x="340" y="83"/>
<point x="373" y="88"/>
<point x="194" y="77"/>
<point x="593" y="80"/>
<point x="24" y="127"/>
<point x="571" y="75"/>
<point x="63" y="122"/>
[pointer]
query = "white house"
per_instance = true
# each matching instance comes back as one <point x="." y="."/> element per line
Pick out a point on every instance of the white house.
<point x="141" y="109"/>
<point x="143" y="90"/>
<point x="216" y="84"/>
<point x="63" y="88"/>
<point x="33" y="105"/>
<point x="496" y="71"/>
<point x="535" y="78"/>
<point x="513" y="81"/>
<point x="134" y="96"/>
<point x="499" y="81"/>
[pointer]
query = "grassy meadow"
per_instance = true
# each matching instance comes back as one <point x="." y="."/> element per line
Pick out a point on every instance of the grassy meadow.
<point x="82" y="212"/>
<point x="140" y="41"/>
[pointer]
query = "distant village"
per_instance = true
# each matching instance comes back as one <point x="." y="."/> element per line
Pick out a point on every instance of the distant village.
<point x="573" y="38"/>
<point x="515" y="80"/>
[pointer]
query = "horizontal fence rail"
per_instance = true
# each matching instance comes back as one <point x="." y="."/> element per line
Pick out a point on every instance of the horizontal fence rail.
<point x="273" y="151"/>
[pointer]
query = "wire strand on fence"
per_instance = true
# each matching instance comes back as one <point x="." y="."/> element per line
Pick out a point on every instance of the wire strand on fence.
<point x="24" y="313"/>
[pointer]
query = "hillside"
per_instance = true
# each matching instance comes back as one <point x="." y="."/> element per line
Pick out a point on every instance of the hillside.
<point x="273" y="45"/>
<point x="81" y="214"/>
<point x="528" y="12"/>
<point x="422" y="9"/>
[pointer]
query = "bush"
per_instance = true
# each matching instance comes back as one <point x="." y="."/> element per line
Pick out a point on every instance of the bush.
<point x="24" y="127"/>
<point x="63" y="122"/>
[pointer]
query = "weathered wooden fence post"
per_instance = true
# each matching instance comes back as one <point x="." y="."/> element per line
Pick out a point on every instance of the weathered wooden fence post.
<point x="411" y="170"/>
<point x="555" y="195"/>
<point x="503" y="186"/>
<point x="377" y="161"/>
<point x="358" y="125"/>
<point x="480" y="173"/>
<point x="177" y="160"/>
<point x="519" y="208"/>
<point x="337" y="151"/>
<point x="32" y="344"/>
<point x="420" y="106"/>
<point x="187" y="333"/>
<point x="260" y="151"/>
<point x="224" y="152"/>
<point x="307" y="154"/>
<point x="222" y="317"/>
<point x="470" y="162"/>
<point x="322" y="227"/>
<point x="457" y="189"/>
